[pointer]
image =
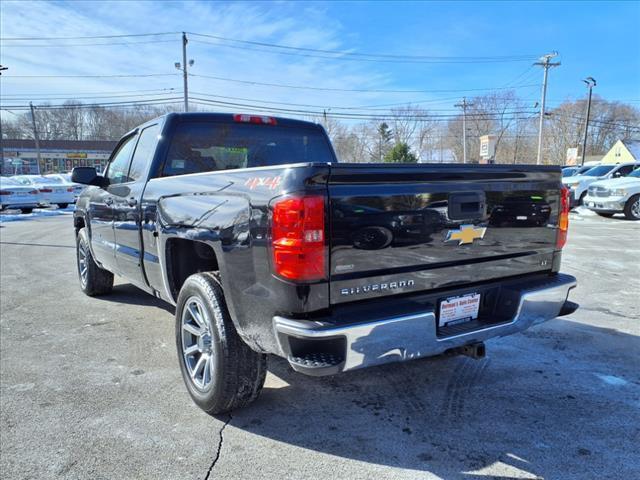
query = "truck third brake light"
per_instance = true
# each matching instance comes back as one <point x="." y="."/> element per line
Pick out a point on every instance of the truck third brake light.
<point x="240" y="117"/>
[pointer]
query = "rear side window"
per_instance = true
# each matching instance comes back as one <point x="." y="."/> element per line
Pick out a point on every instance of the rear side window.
<point x="144" y="152"/>
<point x="209" y="146"/>
<point x="624" y="171"/>
<point x="119" y="164"/>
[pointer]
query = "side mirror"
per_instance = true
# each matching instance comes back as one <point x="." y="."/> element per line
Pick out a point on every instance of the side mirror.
<point x="87" y="176"/>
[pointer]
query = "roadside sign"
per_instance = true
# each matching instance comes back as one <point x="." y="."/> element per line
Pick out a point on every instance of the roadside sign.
<point x="487" y="146"/>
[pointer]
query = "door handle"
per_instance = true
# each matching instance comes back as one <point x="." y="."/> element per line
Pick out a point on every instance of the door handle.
<point x="108" y="200"/>
<point x="132" y="202"/>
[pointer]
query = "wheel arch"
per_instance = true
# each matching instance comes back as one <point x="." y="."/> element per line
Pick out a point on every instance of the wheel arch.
<point x="185" y="257"/>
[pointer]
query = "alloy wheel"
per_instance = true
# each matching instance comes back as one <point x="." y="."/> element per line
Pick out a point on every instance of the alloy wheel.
<point x="197" y="343"/>
<point x="635" y="208"/>
<point x="83" y="267"/>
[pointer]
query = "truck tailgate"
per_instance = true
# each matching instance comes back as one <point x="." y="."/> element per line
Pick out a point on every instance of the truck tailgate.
<point x="405" y="228"/>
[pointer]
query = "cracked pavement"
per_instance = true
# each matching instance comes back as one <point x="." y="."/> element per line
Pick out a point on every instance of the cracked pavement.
<point x="90" y="387"/>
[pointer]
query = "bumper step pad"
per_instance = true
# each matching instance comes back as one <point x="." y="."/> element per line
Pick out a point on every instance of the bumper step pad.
<point x="317" y="360"/>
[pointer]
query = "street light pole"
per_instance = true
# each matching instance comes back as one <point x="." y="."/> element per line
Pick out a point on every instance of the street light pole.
<point x="36" y="136"/>
<point x="546" y="63"/>
<point x="591" y="82"/>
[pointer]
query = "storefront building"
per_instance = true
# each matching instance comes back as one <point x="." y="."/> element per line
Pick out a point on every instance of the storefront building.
<point x="56" y="156"/>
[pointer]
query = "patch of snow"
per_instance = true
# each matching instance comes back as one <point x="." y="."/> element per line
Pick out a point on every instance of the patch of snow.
<point x="37" y="213"/>
<point x="612" y="380"/>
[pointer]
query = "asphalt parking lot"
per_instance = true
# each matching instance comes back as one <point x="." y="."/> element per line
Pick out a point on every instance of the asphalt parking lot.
<point x="90" y="387"/>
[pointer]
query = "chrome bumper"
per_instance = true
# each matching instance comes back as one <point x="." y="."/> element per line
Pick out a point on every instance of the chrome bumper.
<point x="609" y="204"/>
<point x="412" y="336"/>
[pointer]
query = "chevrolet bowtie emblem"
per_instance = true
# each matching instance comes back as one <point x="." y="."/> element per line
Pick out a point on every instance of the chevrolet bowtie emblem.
<point x="465" y="234"/>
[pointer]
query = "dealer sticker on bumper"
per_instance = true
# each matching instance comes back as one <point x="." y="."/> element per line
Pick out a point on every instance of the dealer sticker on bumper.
<point x="459" y="309"/>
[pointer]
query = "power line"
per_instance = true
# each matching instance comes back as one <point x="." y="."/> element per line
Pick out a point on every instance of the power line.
<point x="65" y="45"/>
<point x="490" y="58"/>
<point x="354" y="54"/>
<point x="30" y="95"/>
<point x="82" y="37"/>
<point x="307" y="87"/>
<point x="93" y="105"/>
<point x="80" y="98"/>
<point x="356" y="116"/>
<point x="345" y="57"/>
<point x="335" y="107"/>
<point x="141" y="75"/>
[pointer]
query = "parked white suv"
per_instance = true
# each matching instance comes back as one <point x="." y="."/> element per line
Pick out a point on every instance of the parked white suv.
<point x="580" y="183"/>
<point x="619" y="195"/>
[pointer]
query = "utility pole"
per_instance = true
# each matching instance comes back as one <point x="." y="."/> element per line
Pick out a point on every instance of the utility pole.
<point x="2" y="69"/>
<point x="35" y="134"/>
<point x="464" y="106"/>
<point x="185" y="74"/>
<point x="591" y="82"/>
<point x="546" y="63"/>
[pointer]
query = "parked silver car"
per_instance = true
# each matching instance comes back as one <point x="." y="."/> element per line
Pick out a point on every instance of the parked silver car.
<point x="53" y="191"/>
<point x="18" y="196"/>
<point x="66" y="179"/>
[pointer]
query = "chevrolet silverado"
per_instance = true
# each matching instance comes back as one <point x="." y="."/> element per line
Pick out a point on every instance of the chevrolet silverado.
<point x="266" y="244"/>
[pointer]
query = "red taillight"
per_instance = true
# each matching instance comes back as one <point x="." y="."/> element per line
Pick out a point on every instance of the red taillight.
<point x="70" y="189"/>
<point x="34" y="192"/>
<point x="240" y="117"/>
<point x="5" y="192"/>
<point x="563" y="217"/>
<point x="46" y="190"/>
<point x="297" y="238"/>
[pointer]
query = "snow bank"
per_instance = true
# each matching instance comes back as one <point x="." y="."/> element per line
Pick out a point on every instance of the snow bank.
<point x="37" y="213"/>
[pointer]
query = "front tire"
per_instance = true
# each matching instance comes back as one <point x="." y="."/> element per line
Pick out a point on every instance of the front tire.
<point x="632" y="208"/>
<point x="581" y="199"/>
<point x="220" y="371"/>
<point x="94" y="280"/>
<point x="26" y="210"/>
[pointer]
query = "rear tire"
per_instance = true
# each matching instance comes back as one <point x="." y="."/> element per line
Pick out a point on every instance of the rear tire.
<point x="26" y="210"/>
<point x="632" y="208"/>
<point x="605" y="214"/>
<point x="63" y="205"/>
<point x="220" y="371"/>
<point x="94" y="280"/>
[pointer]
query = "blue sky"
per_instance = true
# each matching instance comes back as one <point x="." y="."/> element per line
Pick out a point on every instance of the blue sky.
<point x="598" y="39"/>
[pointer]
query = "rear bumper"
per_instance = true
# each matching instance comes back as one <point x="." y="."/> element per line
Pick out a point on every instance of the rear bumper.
<point x="334" y="348"/>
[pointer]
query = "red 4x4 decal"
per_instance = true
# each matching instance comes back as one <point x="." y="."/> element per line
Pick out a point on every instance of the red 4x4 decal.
<point x="267" y="182"/>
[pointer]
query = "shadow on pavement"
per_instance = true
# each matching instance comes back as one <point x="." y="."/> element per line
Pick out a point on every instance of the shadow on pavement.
<point x="132" y="295"/>
<point x="553" y="402"/>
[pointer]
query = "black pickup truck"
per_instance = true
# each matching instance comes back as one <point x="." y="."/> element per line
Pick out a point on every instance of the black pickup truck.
<point x="266" y="244"/>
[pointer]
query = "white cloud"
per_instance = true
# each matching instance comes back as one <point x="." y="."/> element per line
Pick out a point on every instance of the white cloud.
<point x="282" y="23"/>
